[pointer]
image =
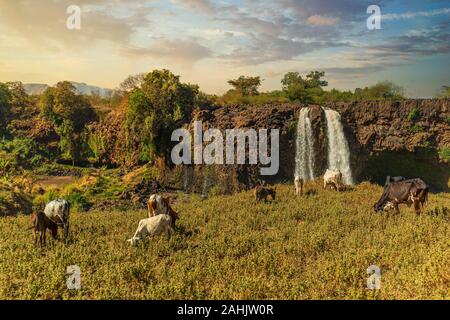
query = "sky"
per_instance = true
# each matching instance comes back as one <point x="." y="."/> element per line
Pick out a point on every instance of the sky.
<point x="209" y="42"/>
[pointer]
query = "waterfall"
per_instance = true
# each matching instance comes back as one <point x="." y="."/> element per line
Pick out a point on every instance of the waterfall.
<point x="304" y="154"/>
<point x="338" y="150"/>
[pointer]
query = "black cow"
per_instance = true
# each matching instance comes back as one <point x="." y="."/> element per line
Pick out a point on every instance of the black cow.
<point x="413" y="191"/>
<point x="390" y="179"/>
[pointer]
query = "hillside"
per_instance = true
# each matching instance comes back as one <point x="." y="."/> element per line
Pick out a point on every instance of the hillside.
<point x="82" y="88"/>
<point x="228" y="247"/>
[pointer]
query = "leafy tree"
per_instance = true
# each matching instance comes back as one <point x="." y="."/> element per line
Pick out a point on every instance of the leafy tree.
<point x="5" y="96"/>
<point x="306" y="90"/>
<point x="246" y="86"/>
<point x="154" y="110"/>
<point x="381" y="91"/>
<point x="19" y="101"/>
<point x="445" y="92"/>
<point x="70" y="113"/>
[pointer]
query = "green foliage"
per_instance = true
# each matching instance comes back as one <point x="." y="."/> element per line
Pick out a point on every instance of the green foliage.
<point x="413" y="115"/>
<point x="5" y="97"/>
<point x="417" y="128"/>
<point x="445" y="92"/>
<point x="21" y="153"/>
<point x="445" y="154"/>
<point x="40" y="201"/>
<point x="70" y="113"/>
<point x="154" y="111"/>
<point x="246" y="86"/>
<point x="78" y="201"/>
<point x="381" y="91"/>
<point x="304" y="90"/>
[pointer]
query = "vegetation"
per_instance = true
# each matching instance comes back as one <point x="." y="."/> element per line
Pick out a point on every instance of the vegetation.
<point x="228" y="247"/>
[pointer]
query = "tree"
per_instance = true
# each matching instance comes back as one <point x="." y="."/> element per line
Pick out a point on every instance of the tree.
<point x="132" y="82"/>
<point x="5" y="96"/>
<point x="246" y="86"/>
<point x="445" y="92"/>
<point x="70" y="113"/>
<point x="19" y="101"/>
<point x="154" y="110"/>
<point x="381" y="91"/>
<point x="306" y="90"/>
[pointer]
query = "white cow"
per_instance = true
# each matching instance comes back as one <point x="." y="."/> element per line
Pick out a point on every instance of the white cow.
<point x="298" y="182"/>
<point x="58" y="211"/>
<point x="154" y="226"/>
<point x="333" y="178"/>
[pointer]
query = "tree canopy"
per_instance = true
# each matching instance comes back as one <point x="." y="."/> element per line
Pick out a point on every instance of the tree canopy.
<point x="154" y="109"/>
<point x="70" y="113"/>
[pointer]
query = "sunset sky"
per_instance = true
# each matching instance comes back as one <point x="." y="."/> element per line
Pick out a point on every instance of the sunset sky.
<point x="210" y="42"/>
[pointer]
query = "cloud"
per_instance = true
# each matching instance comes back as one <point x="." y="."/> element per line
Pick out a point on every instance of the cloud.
<point x="319" y="20"/>
<point x="412" y="15"/>
<point x="200" y="5"/>
<point x="45" y="26"/>
<point x="181" y="50"/>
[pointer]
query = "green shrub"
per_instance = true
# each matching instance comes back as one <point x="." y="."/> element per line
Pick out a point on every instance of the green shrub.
<point x="417" y="128"/>
<point x="413" y="115"/>
<point x="42" y="200"/>
<point x="445" y="154"/>
<point x="78" y="201"/>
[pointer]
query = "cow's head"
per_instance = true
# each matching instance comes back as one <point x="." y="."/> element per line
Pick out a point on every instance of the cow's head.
<point x="380" y="205"/>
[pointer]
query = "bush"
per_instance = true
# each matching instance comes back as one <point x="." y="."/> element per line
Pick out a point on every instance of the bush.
<point x="413" y="115"/>
<point x="417" y="128"/>
<point x="445" y="154"/>
<point x="78" y="201"/>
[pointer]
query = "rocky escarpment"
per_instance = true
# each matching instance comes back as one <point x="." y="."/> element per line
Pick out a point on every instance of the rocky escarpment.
<point x="395" y="137"/>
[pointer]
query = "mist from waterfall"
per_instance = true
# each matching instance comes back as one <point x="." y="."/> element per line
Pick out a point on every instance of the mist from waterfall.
<point x="304" y="153"/>
<point x="338" y="150"/>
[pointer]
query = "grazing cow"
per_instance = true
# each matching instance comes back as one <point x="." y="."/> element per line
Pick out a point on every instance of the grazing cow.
<point x="156" y="205"/>
<point x="154" y="226"/>
<point x="332" y="178"/>
<point x="298" y="181"/>
<point x="58" y="211"/>
<point x="413" y="191"/>
<point x="390" y="179"/>
<point x="40" y="225"/>
<point x="261" y="193"/>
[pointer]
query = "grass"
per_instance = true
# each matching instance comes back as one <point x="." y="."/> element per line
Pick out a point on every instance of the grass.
<point x="228" y="247"/>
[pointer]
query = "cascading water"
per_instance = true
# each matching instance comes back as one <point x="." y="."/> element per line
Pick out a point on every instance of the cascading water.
<point x="304" y="154"/>
<point x="338" y="150"/>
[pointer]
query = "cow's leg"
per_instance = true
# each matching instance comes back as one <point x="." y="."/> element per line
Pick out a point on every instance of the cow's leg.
<point x="396" y="208"/>
<point x="35" y="237"/>
<point x="417" y="206"/>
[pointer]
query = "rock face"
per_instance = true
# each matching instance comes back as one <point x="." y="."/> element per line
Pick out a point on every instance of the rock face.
<point x="372" y="128"/>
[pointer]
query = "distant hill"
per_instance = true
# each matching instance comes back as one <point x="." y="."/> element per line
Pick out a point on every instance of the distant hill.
<point x="35" y="88"/>
<point x="82" y="88"/>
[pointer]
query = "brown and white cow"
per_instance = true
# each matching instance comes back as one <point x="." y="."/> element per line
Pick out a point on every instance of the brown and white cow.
<point x="159" y="205"/>
<point x="332" y="178"/>
<point x="409" y="192"/>
<point x="160" y="224"/>
<point x="298" y="182"/>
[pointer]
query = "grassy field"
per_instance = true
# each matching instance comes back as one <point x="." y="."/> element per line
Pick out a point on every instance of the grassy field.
<point x="229" y="247"/>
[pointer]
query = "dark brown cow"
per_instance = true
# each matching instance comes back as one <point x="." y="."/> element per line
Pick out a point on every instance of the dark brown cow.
<point x="261" y="193"/>
<point x="40" y="225"/>
<point x="413" y="191"/>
